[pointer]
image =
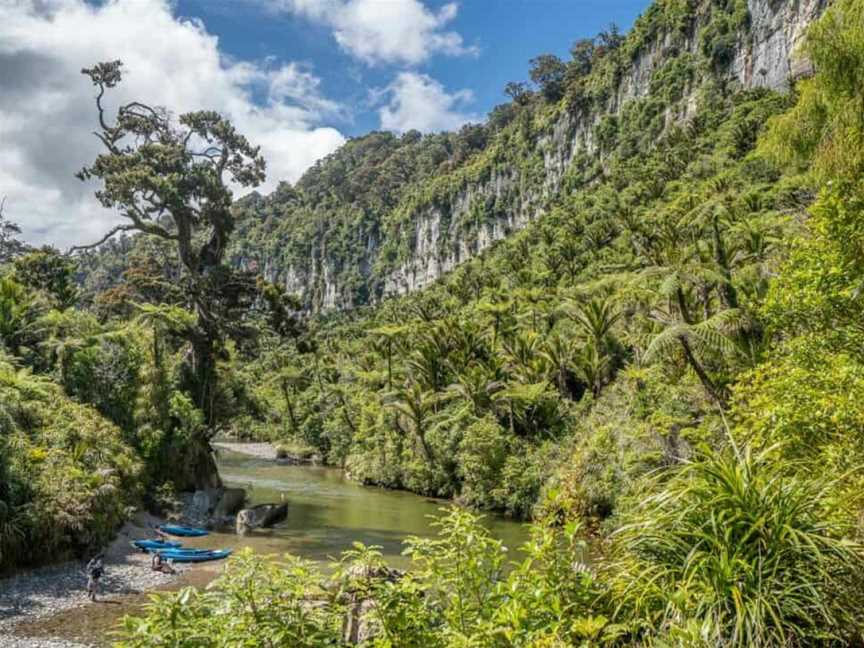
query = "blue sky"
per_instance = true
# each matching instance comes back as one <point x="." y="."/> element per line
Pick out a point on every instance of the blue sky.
<point x="297" y="77"/>
<point x="505" y="33"/>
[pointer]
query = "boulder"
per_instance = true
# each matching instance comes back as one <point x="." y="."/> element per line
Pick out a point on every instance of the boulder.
<point x="202" y="500"/>
<point x="260" y="516"/>
<point x="360" y="623"/>
<point x="197" y="506"/>
<point x="210" y="507"/>
<point x="232" y="500"/>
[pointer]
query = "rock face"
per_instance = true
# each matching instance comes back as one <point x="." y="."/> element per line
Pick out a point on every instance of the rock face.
<point x="765" y="57"/>
<point x="232" y="500"/>
<point x="260" y="516"/>
<point x="768" y="57"/>
<point x="212" y="507"/>
<point x="440" y="235"/>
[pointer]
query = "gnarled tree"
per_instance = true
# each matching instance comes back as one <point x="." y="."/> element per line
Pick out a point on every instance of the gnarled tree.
<point x="170" y="179"/>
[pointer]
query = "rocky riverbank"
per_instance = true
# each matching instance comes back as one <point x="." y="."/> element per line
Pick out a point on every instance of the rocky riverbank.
<point x="33" y="596"/>
<point x="279" y="454"/>
<point x="260" y="450"/>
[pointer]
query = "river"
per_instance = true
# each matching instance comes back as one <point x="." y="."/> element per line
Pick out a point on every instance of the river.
<point x="327" y="512"/>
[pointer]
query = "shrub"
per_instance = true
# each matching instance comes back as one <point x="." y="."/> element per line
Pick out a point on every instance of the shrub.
<point x="66" y="477"/>
<point x="739" y="547"/>
<point x="482" y="455"/>
<point x="105" y="374"/>
<point x="261" y="601"/>
<point x="457" y="593"/>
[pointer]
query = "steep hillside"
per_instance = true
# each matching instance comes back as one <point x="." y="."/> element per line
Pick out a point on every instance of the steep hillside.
<point x="387" y="215"/>
<point x="649" y="338"/>
<point x="594" y="260"/>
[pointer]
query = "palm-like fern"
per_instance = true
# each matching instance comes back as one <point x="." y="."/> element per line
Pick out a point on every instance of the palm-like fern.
<point x="715" y="335"/>
<point x="389" y="335"/>
<point x="595" y="319"/>
<point x="415" y="410"/>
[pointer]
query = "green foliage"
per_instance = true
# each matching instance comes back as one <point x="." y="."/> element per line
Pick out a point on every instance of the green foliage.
<point x="66" y="477"/>
<point x="807" y="391"/>
<point x="581" y="370"/>
<point x="105" y="373"/>
<point x="483" y="455"/>
<point x="169" y="179"/>
<point x="739" y="551"/>
<point x="548" y="72"/>
<point x="49" y="272"/>
<point x="719" y="39"/>
<point x="10" y="245"/>
<point x="824" y="130"/>
<point x="264" y="602"/>
<point x="458" y="593"/>
<point x="504" y="359"/>
<point x="16" y="310"/>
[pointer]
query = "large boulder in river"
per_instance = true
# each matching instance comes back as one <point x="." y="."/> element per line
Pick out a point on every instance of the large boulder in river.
<point x="211" y="507"/>
<point x="198" y="506"/>
<point x="260" y="516"/>
<point x="232" y="500"/>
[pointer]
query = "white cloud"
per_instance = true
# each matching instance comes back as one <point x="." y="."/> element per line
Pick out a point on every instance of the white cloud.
<point x="417" y="101"/>
<point x="384" y="31"/>
<point x="47" y="113"/>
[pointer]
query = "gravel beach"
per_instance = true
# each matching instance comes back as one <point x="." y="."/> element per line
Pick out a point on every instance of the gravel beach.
<point x="260" y="450"/>
<point x="30" y="642"/>
<point x="48" y="591"/>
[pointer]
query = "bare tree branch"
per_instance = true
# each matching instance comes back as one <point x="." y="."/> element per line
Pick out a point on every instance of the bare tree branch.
<point x="100" y="108"/>
<point x="119" y="228"/>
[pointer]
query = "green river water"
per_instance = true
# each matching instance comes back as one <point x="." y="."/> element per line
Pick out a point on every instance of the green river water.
<point x="327" y="512"/>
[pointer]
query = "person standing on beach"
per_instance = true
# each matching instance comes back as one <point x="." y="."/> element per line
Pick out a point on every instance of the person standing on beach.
<point x="95" y="569"/>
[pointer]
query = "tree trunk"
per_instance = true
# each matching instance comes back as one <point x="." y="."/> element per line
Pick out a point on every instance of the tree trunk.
<point x="727" y="290"/>
<point x="289" y="405"/>
<point x="427" y="451"/>
<point x="716" y="393"/>
<point x="682" y="306"/>
<point x="203" y="467"/>
<point x="204" y="373"/>
<point x="389" y="365"/>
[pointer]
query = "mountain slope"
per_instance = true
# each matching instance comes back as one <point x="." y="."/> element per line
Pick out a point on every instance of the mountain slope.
<point x="388" y="215"/>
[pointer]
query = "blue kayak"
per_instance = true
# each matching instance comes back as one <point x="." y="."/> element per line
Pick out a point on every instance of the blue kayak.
<point x="182" y="550"/>
<point x="195" y="556"/>
<point x="154" y="545"/>
<point x="189" y="532"/>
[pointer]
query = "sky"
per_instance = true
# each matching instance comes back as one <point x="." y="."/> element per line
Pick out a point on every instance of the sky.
<point x="297" y="77"/>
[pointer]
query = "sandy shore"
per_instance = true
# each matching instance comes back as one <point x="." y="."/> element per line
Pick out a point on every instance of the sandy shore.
<point x="260" y="450"/>
<point x="48" y="607"/>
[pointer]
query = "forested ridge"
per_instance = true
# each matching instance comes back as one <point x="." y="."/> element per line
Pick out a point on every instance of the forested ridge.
<point x="663" y="372"/>
<point x="386" y="214"/>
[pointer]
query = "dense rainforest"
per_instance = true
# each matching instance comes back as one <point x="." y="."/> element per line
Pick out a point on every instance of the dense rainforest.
<point x="663" y="370"/>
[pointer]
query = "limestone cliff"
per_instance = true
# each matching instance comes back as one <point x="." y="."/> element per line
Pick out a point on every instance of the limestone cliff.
<point x="345" y="263"/>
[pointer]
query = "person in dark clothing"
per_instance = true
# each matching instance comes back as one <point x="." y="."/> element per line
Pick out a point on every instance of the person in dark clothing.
<point x="94" y="570"/>
<point x="158" y="563"/>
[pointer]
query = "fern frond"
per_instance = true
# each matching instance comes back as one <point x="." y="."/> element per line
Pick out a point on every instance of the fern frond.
<point x="705" y="340"/>
<point x="729" y="322"/>
<point x="665" y="342"/>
